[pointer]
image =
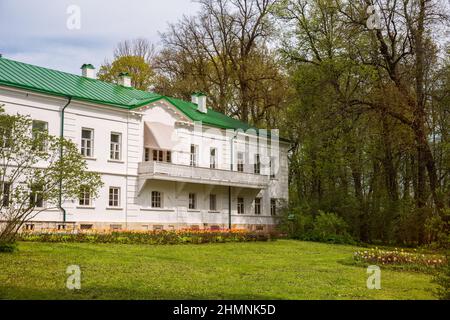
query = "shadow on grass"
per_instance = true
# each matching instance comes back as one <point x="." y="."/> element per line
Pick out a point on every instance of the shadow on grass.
<point x="117" y="293"/>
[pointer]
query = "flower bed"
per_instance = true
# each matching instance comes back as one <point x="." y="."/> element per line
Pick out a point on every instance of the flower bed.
<point x="400" y="257"/>
<point x="151" y="238"/>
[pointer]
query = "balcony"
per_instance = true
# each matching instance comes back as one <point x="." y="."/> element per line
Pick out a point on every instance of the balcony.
<point x="183" y="173"/>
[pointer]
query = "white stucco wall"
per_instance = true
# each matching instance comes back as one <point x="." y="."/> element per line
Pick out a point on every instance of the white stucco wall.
<point x="134" y="203"/>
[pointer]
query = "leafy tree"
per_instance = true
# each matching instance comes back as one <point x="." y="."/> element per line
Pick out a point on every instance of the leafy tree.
<point x="36" y="171"/>
<point x="224" y="52"/>
<point x="369" y="121"/>
<point x="134" y="57"/>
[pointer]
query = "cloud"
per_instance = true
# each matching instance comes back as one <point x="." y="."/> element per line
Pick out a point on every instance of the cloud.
<point x="36" y="31"/>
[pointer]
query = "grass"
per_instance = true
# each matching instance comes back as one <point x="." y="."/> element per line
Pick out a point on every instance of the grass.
<point x="283" y="269"/>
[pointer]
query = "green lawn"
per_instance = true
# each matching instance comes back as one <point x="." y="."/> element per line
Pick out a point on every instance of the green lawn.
<point x="273" y="270"/>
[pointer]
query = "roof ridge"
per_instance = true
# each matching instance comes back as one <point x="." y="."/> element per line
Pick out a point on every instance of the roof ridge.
<point x="74" y="75"/>
<point x="49" y="81"/>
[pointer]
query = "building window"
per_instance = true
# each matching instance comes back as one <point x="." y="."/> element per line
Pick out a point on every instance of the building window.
<point x="213" y="158"/>
<point x="272" y="167"/>
<point x="87" y="143"/>
<point x="192" y="201"/>
<point x="156" y="199"/>
<point x="273" y="207"/>
<point x="258" y="206"/>
<point x="158" y="228"/>
<point x="6" y="191"/>
<point x="39" y="128"/>
<point x="5" y="138"/>
<point x="240" y="205"/>
<point x="240" y="162"/>
<point x="257" y="165"/>
<point x="158" y="155"/>
<point x="114" y="197"/>
<point x="86" y="226"/>
<point x="115" y="227"/>
<point x="116" y="146"/>
<point x="193" y="155"/>
<point x="29" y="227"/>
<point x="36" y="196"/>
<point x="212" y="202"/>
<point x="85" y="197"/>
<point x="147" y="154"/>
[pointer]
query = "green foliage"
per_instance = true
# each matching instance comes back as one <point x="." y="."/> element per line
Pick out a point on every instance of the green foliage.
<point x="149" y="238"/>
<point x="140" y="71"/>
<point x="29" y="185"/>
<point x="443" y="280"/>
<point x="7" y="247"/>
<point x="322" y="227"/>
<point x="355" y="146"/>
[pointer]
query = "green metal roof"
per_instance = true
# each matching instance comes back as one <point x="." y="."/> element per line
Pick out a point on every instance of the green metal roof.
<point x="43" y="80"/>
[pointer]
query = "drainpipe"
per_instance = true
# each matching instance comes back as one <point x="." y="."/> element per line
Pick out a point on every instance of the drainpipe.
<point x="229" y="187"/>
<point x="61" y="156"/>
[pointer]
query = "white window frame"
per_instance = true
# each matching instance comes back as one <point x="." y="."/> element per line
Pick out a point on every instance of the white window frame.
<point x="147" y="154"/>
<point x="84" y="142"/>
<point x="114" y="197"/>
<point x="213" y="158"/>
<point x="85" y="199"/>
<point x="212" y="202"/>
<point x="6" y="194"/>
<point x="257" y="164"/>
<point x="240" y="205"/>
<point x="34" y="198"/>
<point x="194" y="155"/>
<point x="192" y="201"/>
<point x="272" y="172"/>
<point x="35" y="132"/>
<point x="6" y="139"/>
<point x="240" y="162"/>
<point x="273" y="207"/>
<point x="115" y="150"/>
<point x="258" y="205"/>
<point x="156" y="199"/>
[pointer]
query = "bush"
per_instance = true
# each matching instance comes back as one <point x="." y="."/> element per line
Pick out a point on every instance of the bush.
<point x="443" y="280"/>
<point x="8" y="247"/>
<point x="436" y="231"/>
<point x="151" y="238"/>
<point x="324" y="227"/>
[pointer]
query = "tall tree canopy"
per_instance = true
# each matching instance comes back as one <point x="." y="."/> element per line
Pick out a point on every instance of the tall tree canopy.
<point x="224" y="51"/>
<point x="135" y="58"/>
<point x="370" y="133"/>
<point x="363" y="95"/>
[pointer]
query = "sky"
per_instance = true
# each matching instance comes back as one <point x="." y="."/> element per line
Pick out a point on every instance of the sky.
<point x="64" y="34"/>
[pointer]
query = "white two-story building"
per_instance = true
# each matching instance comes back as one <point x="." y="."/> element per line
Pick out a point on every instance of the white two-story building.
<point x="165" y="163"/>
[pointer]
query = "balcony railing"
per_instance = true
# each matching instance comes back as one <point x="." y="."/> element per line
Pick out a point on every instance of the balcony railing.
<point x="183" y="173"/>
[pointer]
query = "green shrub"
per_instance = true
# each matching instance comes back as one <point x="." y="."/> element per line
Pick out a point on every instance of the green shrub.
<point x="8" y="247"/>
<point x="443" y="280"/>
<point x="324" y="227"/>
<point x="151" y="238"/>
